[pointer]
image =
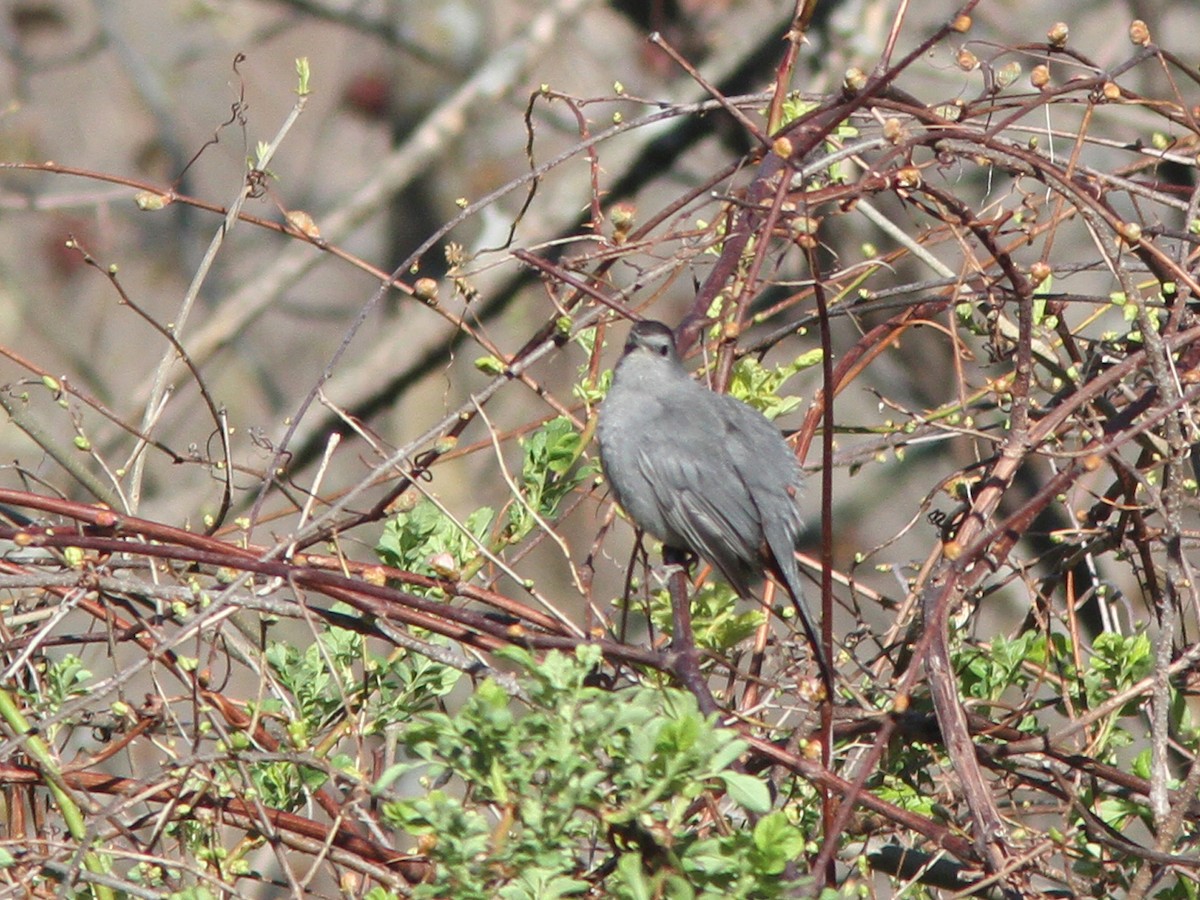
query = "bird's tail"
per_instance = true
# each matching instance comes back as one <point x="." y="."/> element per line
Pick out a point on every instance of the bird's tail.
<point x="789" y="574"/>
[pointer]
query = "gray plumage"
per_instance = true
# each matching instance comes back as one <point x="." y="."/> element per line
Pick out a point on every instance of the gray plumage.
<point x="702" y="471"/>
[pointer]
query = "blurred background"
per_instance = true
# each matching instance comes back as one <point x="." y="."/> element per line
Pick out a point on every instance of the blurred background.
<point x="413" y="155"/>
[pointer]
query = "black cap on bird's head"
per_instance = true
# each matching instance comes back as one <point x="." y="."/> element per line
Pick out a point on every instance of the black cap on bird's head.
<point x="652" y="337"/>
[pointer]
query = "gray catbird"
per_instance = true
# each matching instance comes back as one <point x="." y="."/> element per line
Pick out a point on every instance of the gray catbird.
<point x="702" y="471"/>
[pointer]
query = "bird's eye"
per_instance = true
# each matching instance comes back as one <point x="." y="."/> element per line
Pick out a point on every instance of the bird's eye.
<point x="663" y="350"/>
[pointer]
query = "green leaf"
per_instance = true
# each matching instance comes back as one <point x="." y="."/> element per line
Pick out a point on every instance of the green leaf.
<point x="777" y="842"/>
<point x="747" y="791"/>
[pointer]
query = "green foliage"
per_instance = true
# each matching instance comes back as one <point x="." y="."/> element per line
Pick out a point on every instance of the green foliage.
<point x="1117" y="662"/>
<point x="427" y="541"/>
<point x="536" y="801"/>
<point x="417" y="538"/>
<point x="331" y="679"/>
<point x="716" y="622"/>
<point x="1180" y="889"/>
<point x="987" y="676"/>
<point x="590" y="391"/>
<point x="548" y="473"/>
<point x="59" y="681"/>
<point x="754" y="383"/>
<point x="64" y="679"/>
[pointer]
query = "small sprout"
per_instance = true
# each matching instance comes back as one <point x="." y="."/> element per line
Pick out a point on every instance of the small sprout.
<point x="444" y="566"/>
<point x="1007" y="74"/>
<point x="1139" y="33"/>
<point x="1130" y="232"/>
<point x="226" y="575"/>
<point x="623" y="216"/>
<point x="966" y="60"/>
<point x="893" y="131"/>
<point x="51" y="383"/>
<point x="1039" y="272"/>
<point x="854" y="80"/>
<point x="490" y="365"/>
<point x="804" y="230"/>
<point x="461" y="202"/>
<point x="951" y="112"/>
<point x="908" y="177"/>
<point x="82" y="443"/>
<point x="73" y="556"/>
<point x="1039" y="76"/>
<point x="1057" y="35"/>
<point x="810" y="750"/>
<point x="1160" y="141"/>
<point x="961" y="24"/>
<point x="302" y="74"/>
<point x="148" y="201"/>
<point x="445" y="444"/>
<point x="426" y="290"/>
<point x="299" y="220"/>
<point x="617" y="118"/>
<point x="805" y="224"/>
<point x="782" y="147"/>
<point x="618" y="88"/>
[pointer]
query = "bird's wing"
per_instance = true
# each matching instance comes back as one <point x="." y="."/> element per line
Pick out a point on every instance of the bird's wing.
<point x="715" y="515"/>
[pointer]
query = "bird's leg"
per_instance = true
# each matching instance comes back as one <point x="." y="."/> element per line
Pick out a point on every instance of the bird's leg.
<point x="685" y="658"/>
<point x="679" y="562"/>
